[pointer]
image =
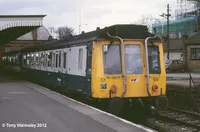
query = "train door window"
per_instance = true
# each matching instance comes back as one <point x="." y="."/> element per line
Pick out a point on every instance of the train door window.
<point x="80" y="59"/>
<point x="154" y="59"/>
<point x="133" y="52"/>
<point x="111" y="59"/>
<point x="59" y="65"/>
<point x="89" y="60"/>
<point x="64" y="59"/>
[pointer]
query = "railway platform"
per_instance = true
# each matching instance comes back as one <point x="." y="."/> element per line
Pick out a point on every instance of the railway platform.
<point x="181" y="81"/>
<point x="28" y="107"/>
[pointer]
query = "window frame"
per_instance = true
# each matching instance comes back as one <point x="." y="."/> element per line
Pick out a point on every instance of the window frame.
<point x="195" y="52"/>
<point x="80" y="59"/>
<point x="64" y="60"/>
<point x="141" y="59"/>
<point x="159" y="60"/>
<point x="104" y="61"/>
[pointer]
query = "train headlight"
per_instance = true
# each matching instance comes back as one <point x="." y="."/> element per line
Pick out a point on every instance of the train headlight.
<point x="113" y="89"/>
<point x="154" y="87"/>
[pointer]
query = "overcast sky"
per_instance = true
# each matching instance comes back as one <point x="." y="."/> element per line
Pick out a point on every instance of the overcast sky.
<point x="94" y="13"/>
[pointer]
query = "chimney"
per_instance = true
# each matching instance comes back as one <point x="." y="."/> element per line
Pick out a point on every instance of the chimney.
<point x="34" y="34"/>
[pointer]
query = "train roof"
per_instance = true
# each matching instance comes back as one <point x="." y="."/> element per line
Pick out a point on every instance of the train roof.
<point x="124" y="31"/>
<point x="15" y="52"/>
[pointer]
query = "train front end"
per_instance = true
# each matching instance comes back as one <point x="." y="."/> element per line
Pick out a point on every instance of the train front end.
<point x="129" y="69"/>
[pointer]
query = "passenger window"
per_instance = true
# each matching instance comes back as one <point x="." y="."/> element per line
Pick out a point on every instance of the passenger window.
<point x="56" y="60"/>
<point x="24" y="59"/>
<point x="42" y="59"/>
<point x="59" y="59"/>
<point x="80" y="59"/>
<point x="36" y="59"/>
<point x="53" y="60"/>
<point x="64" y="59"/>
<point x="27" y="60"/>
<point x="49" y="59"/>
<point x="45" y="59"/>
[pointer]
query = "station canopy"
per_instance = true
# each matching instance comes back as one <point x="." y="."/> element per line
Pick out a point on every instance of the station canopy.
<point x="14" y="26"/>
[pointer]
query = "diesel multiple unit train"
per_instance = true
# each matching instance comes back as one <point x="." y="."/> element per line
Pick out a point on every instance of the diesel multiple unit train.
<point x="116" y="64"/>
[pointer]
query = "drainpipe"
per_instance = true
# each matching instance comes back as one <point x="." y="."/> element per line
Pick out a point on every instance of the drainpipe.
<point x="122" y="59"/>
<point x="147" y="63"/>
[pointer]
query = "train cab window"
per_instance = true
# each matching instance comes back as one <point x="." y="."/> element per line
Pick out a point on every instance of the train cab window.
<point x="64" y="59"/>
<point x="154" y="59"/>
<point x="111" y="59"/>
<point x="80" y="59"/>
<point x="133" y="52"/>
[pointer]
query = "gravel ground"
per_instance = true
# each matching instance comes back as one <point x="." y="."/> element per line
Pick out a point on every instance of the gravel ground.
<point x="166" y="126"/>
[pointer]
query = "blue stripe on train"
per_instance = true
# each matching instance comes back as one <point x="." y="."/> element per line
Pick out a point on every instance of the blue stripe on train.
<point x="73" y="82"/>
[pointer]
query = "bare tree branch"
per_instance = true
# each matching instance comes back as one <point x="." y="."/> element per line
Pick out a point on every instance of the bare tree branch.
<point x="64" y="32"/>
<point x="148" y="20"/>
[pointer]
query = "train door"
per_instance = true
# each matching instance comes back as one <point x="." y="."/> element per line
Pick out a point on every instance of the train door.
<point x="134" y="69"/>
<point x="89" y="67"/>
<point x="154" y="73"/>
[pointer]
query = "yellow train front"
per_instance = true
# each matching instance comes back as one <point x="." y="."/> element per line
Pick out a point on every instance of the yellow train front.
<point x="129" y="69"/>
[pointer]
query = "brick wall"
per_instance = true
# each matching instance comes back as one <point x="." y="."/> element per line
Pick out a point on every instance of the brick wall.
<point x="34" y="34"/>
<point x="193" y="65"/>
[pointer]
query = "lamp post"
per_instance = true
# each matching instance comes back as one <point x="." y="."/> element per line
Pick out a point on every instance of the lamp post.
<point x="163" y="15"/>
<point x="167" y="35"/>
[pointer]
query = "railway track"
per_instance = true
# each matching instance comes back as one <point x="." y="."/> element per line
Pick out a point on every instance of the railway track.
<point x="181" y="117"/>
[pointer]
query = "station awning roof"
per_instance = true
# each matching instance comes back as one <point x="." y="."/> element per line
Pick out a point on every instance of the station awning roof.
<point x="14" y="26"/>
